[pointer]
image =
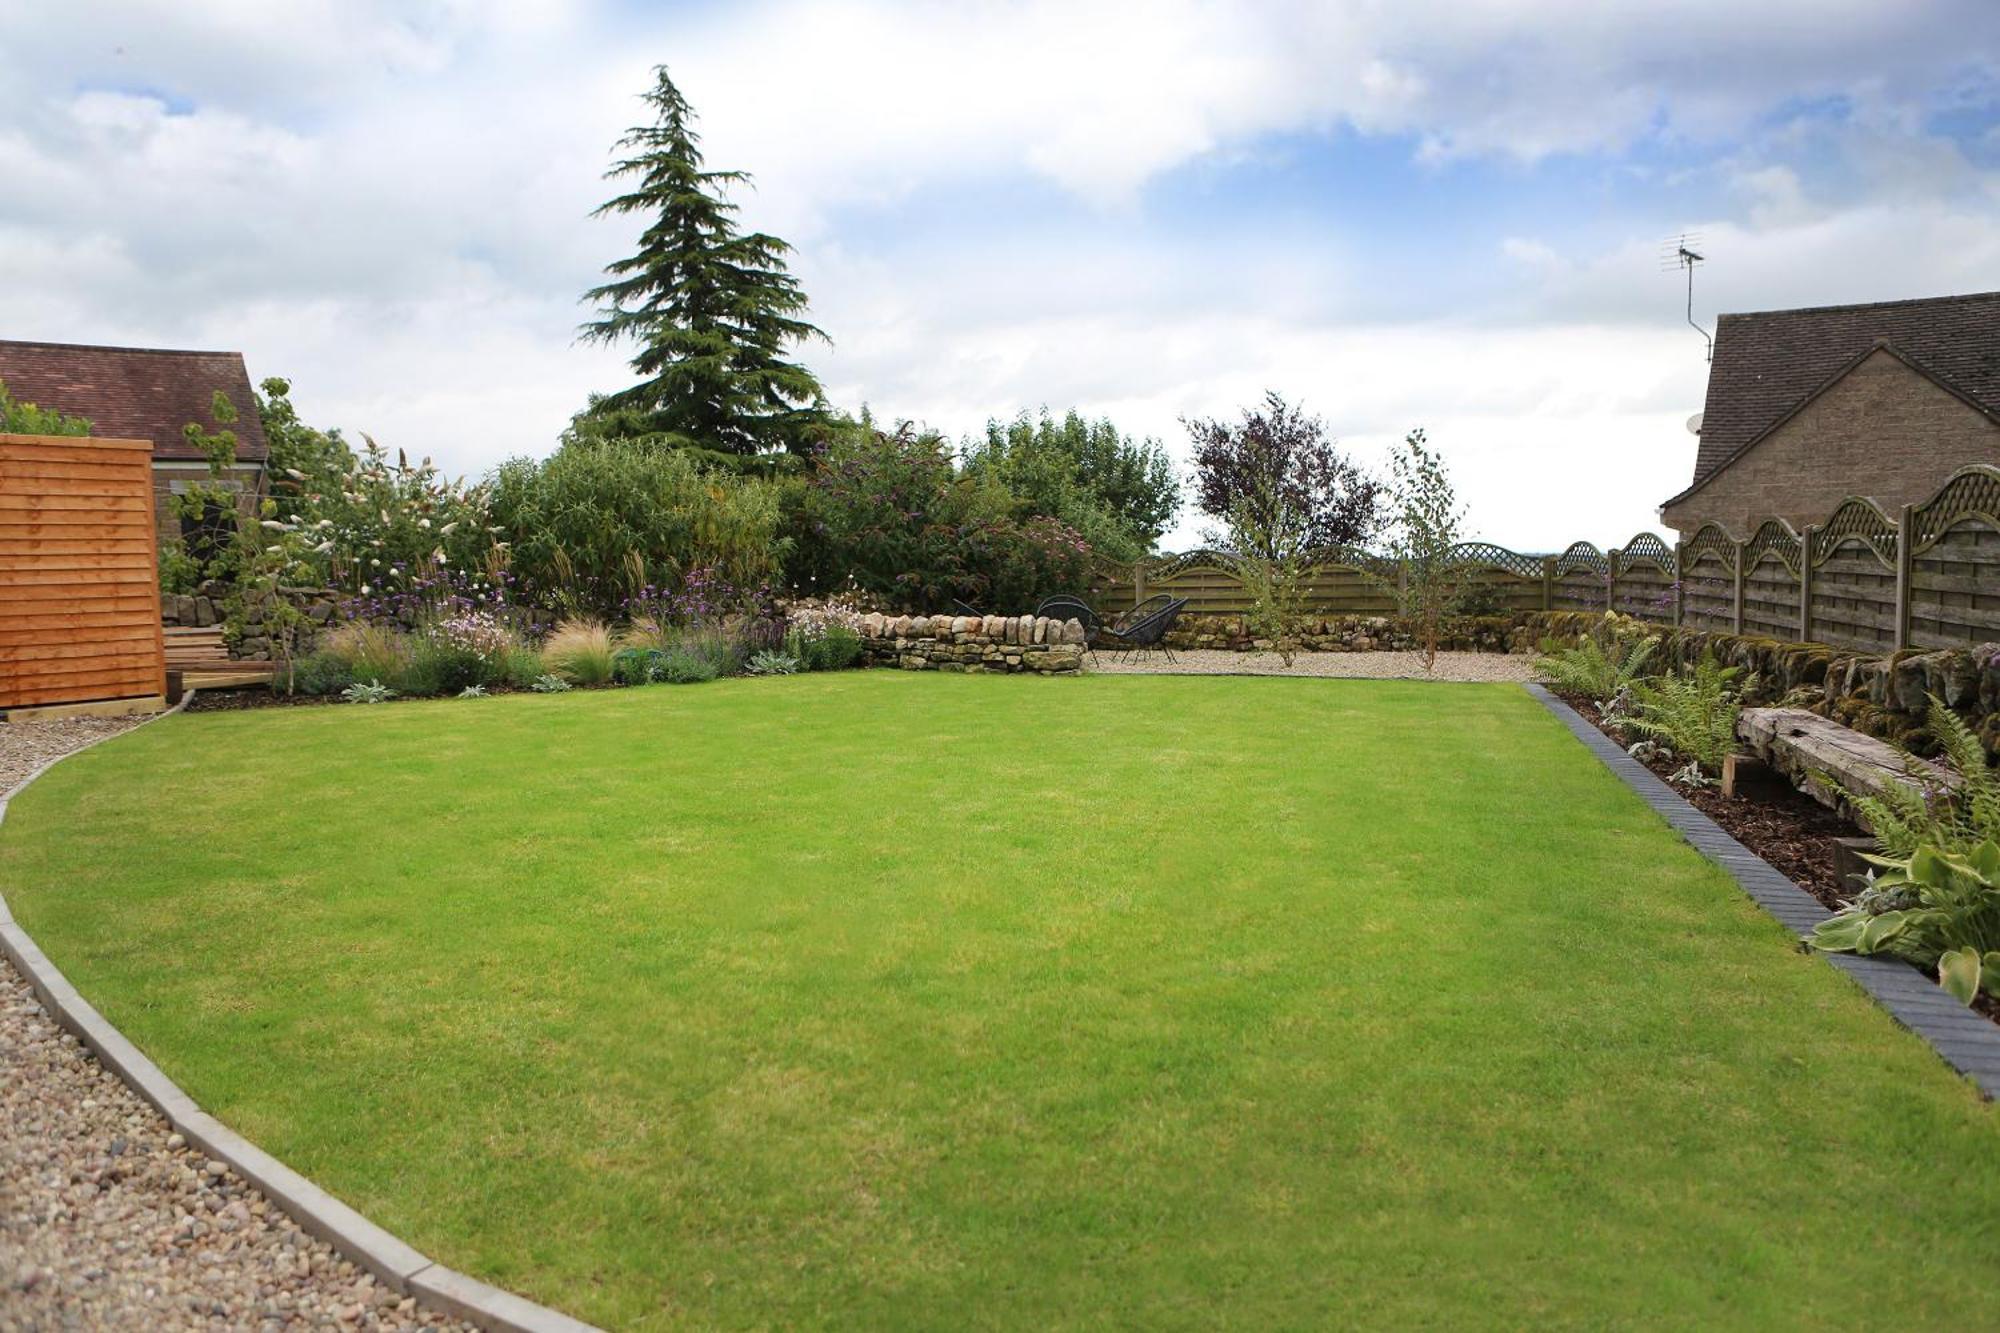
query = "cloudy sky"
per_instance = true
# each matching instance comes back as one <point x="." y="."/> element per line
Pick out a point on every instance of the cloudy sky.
<point x="1426" y="212"/>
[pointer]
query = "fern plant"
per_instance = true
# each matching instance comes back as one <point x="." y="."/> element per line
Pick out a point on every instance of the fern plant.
<point x="1694" y="711"/>
<point x="1953" y="817"/>
<point x="1934" y="908"/>
<point x="1599" y="667"/>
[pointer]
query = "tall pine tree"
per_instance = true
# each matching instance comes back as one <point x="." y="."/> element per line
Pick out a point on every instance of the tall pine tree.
<point x="713" y="311"/>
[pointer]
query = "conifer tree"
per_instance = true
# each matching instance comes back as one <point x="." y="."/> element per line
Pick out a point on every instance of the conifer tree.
<point x="712" y="310"/>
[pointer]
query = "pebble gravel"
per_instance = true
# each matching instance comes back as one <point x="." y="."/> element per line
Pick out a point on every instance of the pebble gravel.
<point x="1354" y="666"/>
<point x="26" y="746"/>
<point x="108" y="1218"/>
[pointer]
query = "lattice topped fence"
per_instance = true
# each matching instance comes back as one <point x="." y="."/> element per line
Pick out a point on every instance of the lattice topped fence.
<point x="1925" y="577"/>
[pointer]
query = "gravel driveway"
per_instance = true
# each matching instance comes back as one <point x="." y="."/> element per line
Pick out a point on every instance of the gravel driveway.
<point x="1360" y="666"/>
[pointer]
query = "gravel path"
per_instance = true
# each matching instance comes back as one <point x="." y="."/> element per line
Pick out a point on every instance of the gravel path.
<point x="108" y="1219"/>
<point x="26" y="746"/>
<point x="1360" y="666"/>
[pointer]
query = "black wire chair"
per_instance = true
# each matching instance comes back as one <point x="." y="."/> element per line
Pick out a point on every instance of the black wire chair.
<point x="1066" y="608"/>
<point x="1144" y="628"/>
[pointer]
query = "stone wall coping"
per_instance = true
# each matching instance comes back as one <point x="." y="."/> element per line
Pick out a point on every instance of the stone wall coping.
<point x="393" y="1261"/>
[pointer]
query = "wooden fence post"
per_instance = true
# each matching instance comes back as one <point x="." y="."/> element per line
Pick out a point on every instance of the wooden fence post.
<point x="1905" y="564"/>
<point x="1548" y="583"/>
<point x="1739" y="586"/>
<point x="1611" y="579"/>
<point x="1138" y="580"/>
<point x="1805" y="582"/>
<point x="1680" y="580"/>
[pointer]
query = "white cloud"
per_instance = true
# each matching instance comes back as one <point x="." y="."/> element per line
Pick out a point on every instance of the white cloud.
<point x="387" y="202"/>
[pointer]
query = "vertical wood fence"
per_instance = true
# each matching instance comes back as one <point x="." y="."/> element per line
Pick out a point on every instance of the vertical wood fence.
<point x="1925" y="577"/>
<point x="79" y="573"/>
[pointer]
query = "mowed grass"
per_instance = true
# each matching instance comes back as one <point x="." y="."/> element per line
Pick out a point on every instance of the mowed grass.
<point x="877" y="1000"/>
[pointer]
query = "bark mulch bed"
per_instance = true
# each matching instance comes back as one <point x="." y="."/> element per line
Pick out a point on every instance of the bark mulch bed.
<point x="1783" y="825"/>
<point x="1778" y="822"/>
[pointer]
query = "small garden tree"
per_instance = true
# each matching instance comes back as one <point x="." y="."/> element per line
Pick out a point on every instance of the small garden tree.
<point x="1288" y="499"/>
<point x="1423" y="525"/>
<point x="1276" y="473"/>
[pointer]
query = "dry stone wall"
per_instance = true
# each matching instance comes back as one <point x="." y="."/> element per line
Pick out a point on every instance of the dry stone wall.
<point x="972" y="643"/>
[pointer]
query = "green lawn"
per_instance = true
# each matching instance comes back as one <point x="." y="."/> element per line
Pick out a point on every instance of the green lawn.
<point x="889" y="1000"/>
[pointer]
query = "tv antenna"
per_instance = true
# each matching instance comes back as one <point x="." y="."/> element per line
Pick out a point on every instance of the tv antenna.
<point x="1680" y="252"/>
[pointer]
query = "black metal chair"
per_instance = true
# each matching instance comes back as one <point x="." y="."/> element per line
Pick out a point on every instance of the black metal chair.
<point x="1144" y="628"/>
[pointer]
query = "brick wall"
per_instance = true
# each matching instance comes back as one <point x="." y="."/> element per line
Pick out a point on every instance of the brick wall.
<point x="1883" y="431"/>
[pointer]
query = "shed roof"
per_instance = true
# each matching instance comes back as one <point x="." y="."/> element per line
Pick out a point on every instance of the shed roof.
<point x="141" y="393"/>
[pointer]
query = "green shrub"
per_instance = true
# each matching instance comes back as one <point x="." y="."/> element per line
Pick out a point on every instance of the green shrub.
<point x="520" y="668"/>
<point x="598" y="522"/>
<point x="1928" y="812"/>
<point x="682" y="666"/>
<point x="371" y="692"/>
<point x="321" y="673"/>
<point x="369" y="651"/>
<point x="637" y="666"/>
<point x="1936" y="909"/>
<point x="440" y="667"/>
<point x="825" y="647"/>
<point x="581" y="651"/>
<point x="890" y="515"/>
<point x="1693" y="711"/>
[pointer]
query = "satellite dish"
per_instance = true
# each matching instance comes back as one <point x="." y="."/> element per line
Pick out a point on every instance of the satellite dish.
<point x="1694" y="424"/>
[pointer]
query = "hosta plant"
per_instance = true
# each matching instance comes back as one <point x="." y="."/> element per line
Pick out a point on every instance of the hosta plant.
<point x="1937" y="909"/>
<point x="1953" y="813"/>
<point x="1694" y="711"/>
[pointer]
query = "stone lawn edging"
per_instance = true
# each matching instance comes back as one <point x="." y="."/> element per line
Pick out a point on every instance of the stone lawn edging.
<point x="1965" y="1040"/>
<point x="398" y="1265"/>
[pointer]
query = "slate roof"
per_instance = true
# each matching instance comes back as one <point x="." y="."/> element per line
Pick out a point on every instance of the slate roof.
<point x="137" y="393"/>
<point x="1769" y="362"/>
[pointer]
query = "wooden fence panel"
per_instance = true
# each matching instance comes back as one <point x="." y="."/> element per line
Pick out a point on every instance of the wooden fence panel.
<point x="1854" y="598"/>
<point x="1771" y="598"/>
<point x="79" y="580"/>
<point x="1708" y="593"/>
<point x="1955" y="587"/>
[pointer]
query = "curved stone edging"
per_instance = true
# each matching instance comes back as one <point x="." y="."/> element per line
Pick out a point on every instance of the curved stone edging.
<point x="1963" y="1039"/>
<point x="395" y="1263"/>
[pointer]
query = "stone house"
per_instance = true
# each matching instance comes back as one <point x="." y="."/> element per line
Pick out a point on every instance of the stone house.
<point x="1808" y="407"/>
<point x="145" y="393"/>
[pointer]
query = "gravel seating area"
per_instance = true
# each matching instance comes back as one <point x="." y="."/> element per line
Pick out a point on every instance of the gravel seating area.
<point x="26" y="746"/>
<point x="1359" y="666"/>
<point x="109" y="1220"/>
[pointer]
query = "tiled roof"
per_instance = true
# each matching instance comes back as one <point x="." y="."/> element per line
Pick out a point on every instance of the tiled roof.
<point x="1768" y="362"/>
<point x="138" y="393"/>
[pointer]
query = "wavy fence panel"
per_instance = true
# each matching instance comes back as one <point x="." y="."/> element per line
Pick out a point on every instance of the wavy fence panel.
<point x="1928" y="577"/>
<point x="1708" y="579"/>
<point x="1853" y="560"/>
